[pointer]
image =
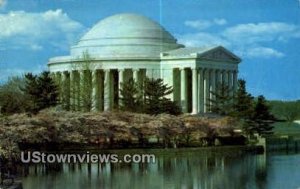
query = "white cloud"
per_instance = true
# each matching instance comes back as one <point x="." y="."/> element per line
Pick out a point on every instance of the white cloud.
<point x="220" y="21"/>
<point x="261" y="32"/>
<point x="36" y="47"/>
<point x="204" y="24"/>
<point x="198" y="24"/>
<point x="247" y="40"/>
<point x="202" y="39"/>
<point x="21" y="29"/>
<point x="263" y="52"/>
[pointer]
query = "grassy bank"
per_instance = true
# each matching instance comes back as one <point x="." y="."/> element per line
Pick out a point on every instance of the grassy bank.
<point x="287" y="129"/>
<point x="212" y="150"/>
<point x="286" y="137"/>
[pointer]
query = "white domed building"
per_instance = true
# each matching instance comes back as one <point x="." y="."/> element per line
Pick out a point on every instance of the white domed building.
<point x="127" y="46"/>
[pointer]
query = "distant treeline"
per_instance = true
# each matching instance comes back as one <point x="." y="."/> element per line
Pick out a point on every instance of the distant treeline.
<point x="285" y="110"/>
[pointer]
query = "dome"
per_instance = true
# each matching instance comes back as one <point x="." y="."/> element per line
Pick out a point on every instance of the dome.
<point x="125" y="35"/>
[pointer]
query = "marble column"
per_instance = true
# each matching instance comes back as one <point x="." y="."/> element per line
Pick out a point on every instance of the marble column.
<point x="234" y="80"/>
<point x="230" y="82"/>
<point x="107" y="90"/>
<point x="212" y="86"/>
<point x="176" y="86"/>
<point x="121" y="80"/>
<point x="206" y="90"/>
<point x="66" y="89"/>
<point x="194" y="91"/>
<point x="95" y="91"/>
<point x="63" y="89"/>
<point x="136" y="77"/>
<point x="58" y="83"/>
<point x="201" y="90"/>
<point x="112" y="90"/>
<point x="58" y="78"/>
<point x="229" y="72"/>
<point x="135" y="74"/>
<point x="183" y="90"/>
<point x="221" y="76"/>
<point x="72" y="91"/>
<point x="218" y="78"/>
<point x="81" y="90"/>
<point x="77" y="90"/>
<point x="225" y="77"/>
<point x="101" y="90"/>
<point x="168" y="77"/>
<point x="143" y="75"/>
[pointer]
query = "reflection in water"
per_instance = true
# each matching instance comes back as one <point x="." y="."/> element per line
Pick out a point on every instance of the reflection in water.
<point x="194" y="170"/>
<point x="284" y="171"/>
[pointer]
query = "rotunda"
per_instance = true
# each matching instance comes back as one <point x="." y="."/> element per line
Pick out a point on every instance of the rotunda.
<point x="127" y="46"/>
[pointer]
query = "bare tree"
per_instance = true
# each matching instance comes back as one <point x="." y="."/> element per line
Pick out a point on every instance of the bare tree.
<point x="81" y="85"/>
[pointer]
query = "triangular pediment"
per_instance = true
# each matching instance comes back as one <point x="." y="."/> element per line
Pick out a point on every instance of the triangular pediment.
<point x="220" y="54"/>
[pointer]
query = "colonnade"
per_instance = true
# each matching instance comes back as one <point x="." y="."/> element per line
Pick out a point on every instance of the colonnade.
<point x="196" y="87"/>
<point x="98" y="90"/>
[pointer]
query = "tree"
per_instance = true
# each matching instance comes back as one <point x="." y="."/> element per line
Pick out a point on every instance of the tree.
<point x="80" y="89"/>
<point x="131" y="97"/>
<point x="291" y="111"/>
<point x="156" y="102"/>
<point x="86" y="88"/>
<point x="48" y="91"/>
<point x="222" y="101"/>
<point x="31" y="91"/>
<point x="41" y="91"/>
<point x="243" y="102"/>
<point x="286" y="110"/>
<point x="12" y="99"/>
<point x="170" y="107"/>
<point x="262" y="117"/>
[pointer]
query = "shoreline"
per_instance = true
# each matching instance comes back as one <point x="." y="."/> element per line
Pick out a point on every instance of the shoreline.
<point x="256" y="149"/>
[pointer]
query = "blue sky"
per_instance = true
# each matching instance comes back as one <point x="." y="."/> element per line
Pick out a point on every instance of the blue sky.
<point x="264" y="33"/>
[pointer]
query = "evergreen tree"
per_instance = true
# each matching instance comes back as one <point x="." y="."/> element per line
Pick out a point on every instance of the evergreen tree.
<point x="48" y="91"/>
<point x="262" y="117"/>
<point x="31" y="91"/>
<point x="243" y="102"/>
<point x="243" y="108"/>
<point x="222" y="101"/>
<point x="130" y="96"/>
<point x="155" y="92"/>
<point x="170" y="107"/>
<point x="41" y="92"/>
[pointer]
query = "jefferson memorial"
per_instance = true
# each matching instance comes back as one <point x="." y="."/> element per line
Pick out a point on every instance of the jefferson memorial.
<point x="127" y="46"/>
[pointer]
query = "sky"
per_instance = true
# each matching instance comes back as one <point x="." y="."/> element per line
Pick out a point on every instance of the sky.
<point x="265" y="34"/>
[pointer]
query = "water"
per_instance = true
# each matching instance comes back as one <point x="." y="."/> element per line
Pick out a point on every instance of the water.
<point x="177" y="170"/>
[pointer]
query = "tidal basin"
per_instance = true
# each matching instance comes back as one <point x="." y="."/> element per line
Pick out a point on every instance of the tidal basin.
<point x="184" y="168"/>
